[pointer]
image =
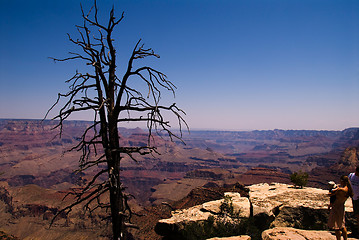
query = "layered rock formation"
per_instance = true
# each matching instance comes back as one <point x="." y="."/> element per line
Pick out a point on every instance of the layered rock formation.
<point x="29" y="154"/>
<point x="26" y="212"/>
<point x="269" y="206"/>
<point x="343" y="162"/>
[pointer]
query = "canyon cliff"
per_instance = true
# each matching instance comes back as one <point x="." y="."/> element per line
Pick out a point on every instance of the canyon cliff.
<point x="270" y="211"/>
<point x="33" y="159"/>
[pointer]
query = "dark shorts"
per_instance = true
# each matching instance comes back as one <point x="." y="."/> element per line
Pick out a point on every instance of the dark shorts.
<point x="356" y="207"/>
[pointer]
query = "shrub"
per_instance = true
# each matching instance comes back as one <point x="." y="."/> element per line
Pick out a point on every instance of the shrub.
<point x="226" y="208"/>
<point x="299" y="179"/>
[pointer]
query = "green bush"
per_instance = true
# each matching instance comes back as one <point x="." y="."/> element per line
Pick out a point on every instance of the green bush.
<point x="226" y="208"/>
<point x="299" y="179"/>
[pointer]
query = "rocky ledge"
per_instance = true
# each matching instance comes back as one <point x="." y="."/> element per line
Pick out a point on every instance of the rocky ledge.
<point x="270" y="209"/>
<point x="283" y="233"/>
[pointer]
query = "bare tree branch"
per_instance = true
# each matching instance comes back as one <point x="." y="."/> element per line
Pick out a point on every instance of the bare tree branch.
<point x="113" y="101"/>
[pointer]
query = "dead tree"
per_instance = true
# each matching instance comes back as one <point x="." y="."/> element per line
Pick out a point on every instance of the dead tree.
<point x="114" y="102"/>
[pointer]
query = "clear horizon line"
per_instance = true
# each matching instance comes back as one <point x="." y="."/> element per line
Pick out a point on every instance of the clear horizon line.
<point x="199" y="129"/>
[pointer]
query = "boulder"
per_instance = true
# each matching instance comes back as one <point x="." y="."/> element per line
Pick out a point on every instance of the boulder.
<point x="231" y="238"/>
<point x="208" y="215"/>
<point x="284" y="233"/>
<point x="286" y="206"/>
<point x="173" y="225"/>
<point x="241" y="205"/>
<point x="276" y="206"/>
<point x="271" y="196"/>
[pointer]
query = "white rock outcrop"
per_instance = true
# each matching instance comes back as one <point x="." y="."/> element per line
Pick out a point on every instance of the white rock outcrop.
<point x="232" y="238"/>
<point x="266" y="198"/>
<point x="282" y="233"/>
<point x="281" y="207"/>
<point x="202" y="212"/>
<point x="241" y="205"/>
<point x="180" y="218"/>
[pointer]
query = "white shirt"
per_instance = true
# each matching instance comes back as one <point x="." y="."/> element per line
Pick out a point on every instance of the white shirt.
<point x="354" y="179"/>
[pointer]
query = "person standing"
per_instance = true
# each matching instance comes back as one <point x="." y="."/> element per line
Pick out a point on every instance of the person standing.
<point x="336" y="219"/>
<point x="354" y="179"/>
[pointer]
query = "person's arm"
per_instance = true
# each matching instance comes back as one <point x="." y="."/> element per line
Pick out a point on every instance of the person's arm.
<point x="337" y="190"/>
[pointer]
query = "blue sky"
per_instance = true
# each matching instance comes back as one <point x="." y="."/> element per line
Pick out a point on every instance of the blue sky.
<point x="237" y="64"/>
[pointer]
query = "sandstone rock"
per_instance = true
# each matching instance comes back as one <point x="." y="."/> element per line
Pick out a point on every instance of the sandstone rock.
<point x="305" y="208"/>
<point x="232" y="238"/>
<point x="190" y="214"/>
<point x="241" y="205"/>
<point x="349" y="157"/>
<point x="261" y="174"/>
<point x="273" y="205"/>
<point x="4" y="235"/>
<point x="201" y="213"/>
<point x="267" y="197"/>
<point x="283" y="194"/>
<point x="173" y="225"/>
<point x="282" y="233"/>
<point x="301" y="218"/>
